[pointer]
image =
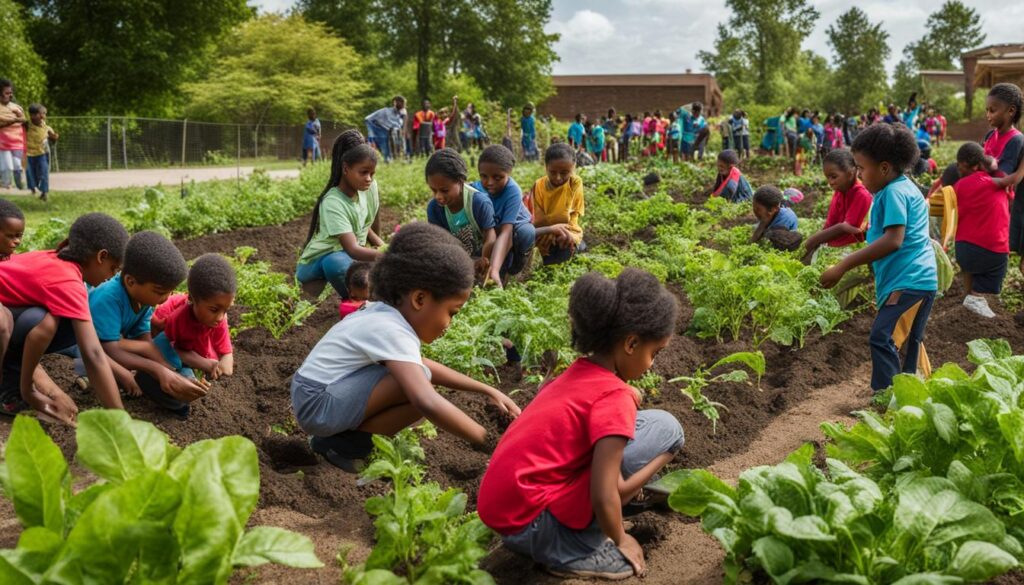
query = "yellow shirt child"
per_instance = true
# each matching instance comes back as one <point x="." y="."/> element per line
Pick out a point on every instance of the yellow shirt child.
<point x="36" y="139"/>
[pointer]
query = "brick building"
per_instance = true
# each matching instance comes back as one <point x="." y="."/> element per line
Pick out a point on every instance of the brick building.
<point x="594" y="94"/>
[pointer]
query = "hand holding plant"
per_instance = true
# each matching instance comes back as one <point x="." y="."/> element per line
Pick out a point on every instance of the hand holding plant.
<point x="832" y="276"/>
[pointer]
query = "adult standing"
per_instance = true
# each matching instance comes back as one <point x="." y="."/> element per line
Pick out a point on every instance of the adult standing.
<point x="12" y="136"/>
<point x="385" y="123"/>
<point x="311" y="138"/>
<point x="423" y="129"/>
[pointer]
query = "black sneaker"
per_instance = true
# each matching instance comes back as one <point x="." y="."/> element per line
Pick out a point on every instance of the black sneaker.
<point x="606" y="562"/>
<point x="347" y="451"/>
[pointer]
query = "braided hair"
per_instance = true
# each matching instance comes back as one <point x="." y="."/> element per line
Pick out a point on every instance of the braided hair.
<point x="602" y="312"/>
<point x="1009" y="94"/>
<point x="447" y="162"/>
<point x="349" y="149"/>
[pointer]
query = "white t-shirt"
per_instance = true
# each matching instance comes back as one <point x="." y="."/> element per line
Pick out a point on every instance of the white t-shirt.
<point x="375" y="334"/>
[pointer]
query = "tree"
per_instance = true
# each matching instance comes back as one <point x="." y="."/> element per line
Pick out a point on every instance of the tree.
<point x="265" y="71"/>
<point x="952" y="29"/>
<point x="20" y="63"/>
<point x="728" y="62"/>
<point x="859" y="51"/>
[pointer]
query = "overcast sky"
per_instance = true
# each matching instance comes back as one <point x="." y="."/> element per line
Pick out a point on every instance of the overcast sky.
<point x="663" y="36"/>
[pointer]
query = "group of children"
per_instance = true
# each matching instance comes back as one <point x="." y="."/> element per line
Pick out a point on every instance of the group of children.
<point x="682" y="135"/>
<point x="24" y="144"/>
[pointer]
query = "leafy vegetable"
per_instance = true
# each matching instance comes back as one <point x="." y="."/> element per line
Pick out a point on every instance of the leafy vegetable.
<point x="701" y="379"/>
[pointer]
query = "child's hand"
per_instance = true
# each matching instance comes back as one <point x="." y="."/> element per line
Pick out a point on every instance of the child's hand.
<point x="480" y="266"/>
<point x="495" y="277"/>
<point x="180" y="387"/>
<point x="832" y="276"/>
<point x="634" y="554"/>
<point x="504" y="403"/>
<point x="56" y="406"/>
<point x="131" y="387"/>
<point x="212" y="369"/>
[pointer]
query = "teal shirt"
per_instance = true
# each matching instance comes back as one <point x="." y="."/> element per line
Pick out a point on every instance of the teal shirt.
<point x="912" y="266"/>
<point x="113" y="315"/>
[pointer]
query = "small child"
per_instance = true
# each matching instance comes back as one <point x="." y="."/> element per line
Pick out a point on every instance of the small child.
<point x="357" y="280"/>
<point x="560" y="476"/>
<point x="673" y="136"/>
<point x="528" y="127"/>
<point x="844" y="225"/>
<point x="366" y="375"/>
<point x="311" y="138"/>
<point x="441" y="122"/>
<point x="806" y="148"/>
<point x="195" y="325"/>
<point x="515" y="234"/>
<point x="341" y="226"/>
<point x="576" y="132"/>
<point x="460" y="209"/>
<point x="38" y="136"/>
<point x="122" y="310"/>
<point x="983" y="228"/>
<point x="595" y="140"/>
<point x="774" y="216"/>
<point x="558" y="205"/>
<point x="731" y="184"/>
<point x="899" y="250"/>
<point x="12" y="230"/>
<point x="49" y="311"/>
<point x="423" y="129"/>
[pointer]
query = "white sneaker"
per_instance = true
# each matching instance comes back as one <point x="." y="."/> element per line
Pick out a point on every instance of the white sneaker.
<point x="978" y="305"/>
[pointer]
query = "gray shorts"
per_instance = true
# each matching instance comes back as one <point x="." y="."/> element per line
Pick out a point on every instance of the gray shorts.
<point x="323" y="410"/>
<point x="551" y="543"/>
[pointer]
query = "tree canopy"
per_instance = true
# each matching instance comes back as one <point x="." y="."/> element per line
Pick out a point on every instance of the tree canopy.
<point x="859" y="51"/>
<point x="20" y="63"/>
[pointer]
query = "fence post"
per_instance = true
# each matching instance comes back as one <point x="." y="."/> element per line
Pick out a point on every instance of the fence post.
<point x="124" y="141"/>
<point x="256" y="142"/>
<point x="109" y="165"/>
<point x="184" y="137"/>
<point x="238" y="157"/>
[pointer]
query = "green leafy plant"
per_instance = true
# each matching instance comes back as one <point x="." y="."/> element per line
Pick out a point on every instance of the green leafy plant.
<point x="702" y="378"/>
<point x="158" y="514"/>
<point x="271" y="299"/>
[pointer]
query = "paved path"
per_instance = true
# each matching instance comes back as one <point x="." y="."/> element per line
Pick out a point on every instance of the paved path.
<point x="96" y="180"/>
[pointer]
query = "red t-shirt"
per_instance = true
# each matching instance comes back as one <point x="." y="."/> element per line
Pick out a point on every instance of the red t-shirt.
<point x="348" y="306"/>
<point x="41" y="279"/>
<point x="996" y="143"/>
<point x="543" y="461"/>
<point x="850" y="207"/>
<point x="983" y="213"/>
<point x="187" y="334"/>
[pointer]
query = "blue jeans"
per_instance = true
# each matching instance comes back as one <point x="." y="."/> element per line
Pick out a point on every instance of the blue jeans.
<point x="558" y="254"/>
<point x="530" y="148"/>
<point x="38" y="173"/>
<point x="885" y="358"/>
<point x="379" y="135"/>
<point x="332" y="267"/>
<point x="524" y="235"/>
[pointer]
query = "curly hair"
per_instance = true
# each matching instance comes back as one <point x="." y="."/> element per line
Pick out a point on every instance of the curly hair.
<point x="92" y="233"/>
<point x="560" y="151"/>
<point x="729" y="156"/>
<point x="9" y="210"/>
<point x="498" y="155"/>
<point x="1009" y="94"/>
<point x="421" y="256"/>
<point x="970" y="154"/>
<point x="349" y="148"/>
<point x="210" y="275"/>
<point x="447" y="162"/>
<point x="841" y="158"/>
<point x="150" y="257"/>
<point x="769" y="197"/>
<point x="602" y="312"/>
<point x="358" y="275"/>
<point x="889" y="143"/>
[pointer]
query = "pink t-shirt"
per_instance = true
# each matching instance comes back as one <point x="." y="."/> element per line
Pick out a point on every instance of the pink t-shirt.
<point x="983" y="213"/>
<point x="12" y="137"/>
<point x="187" y="334"/>
<point x="41" y="279"/>
<point x="850" y="207"/>
<point x="544" y="459"/>
<point x="996" y="142"/>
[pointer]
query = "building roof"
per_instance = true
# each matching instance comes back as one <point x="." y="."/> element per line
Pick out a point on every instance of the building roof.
<point x="659" y="79"/>
<point x="997" y="51"/>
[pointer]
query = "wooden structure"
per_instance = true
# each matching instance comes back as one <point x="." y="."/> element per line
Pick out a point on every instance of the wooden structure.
<point x="990" y="65"/>
<point x="594" y="94"/>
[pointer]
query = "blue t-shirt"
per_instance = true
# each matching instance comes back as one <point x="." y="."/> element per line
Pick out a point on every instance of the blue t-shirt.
<point x="595" y="139"/>
<point x="508" y="205"/>
<point x="910" y="116"/>
<point x="912" y="266"/>
<point x="483" y="212"/>
<point x="576" y="133"/>
<point x="529" y="126"/>
<point x="802" y="124"/>
<point x="785" y="219"/>
<point x="312" y="130"/>
<point x="819" y="132"/>
<point x="112" y="313"/>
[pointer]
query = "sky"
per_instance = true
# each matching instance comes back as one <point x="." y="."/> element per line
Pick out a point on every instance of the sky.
<point x="663" y="36"/>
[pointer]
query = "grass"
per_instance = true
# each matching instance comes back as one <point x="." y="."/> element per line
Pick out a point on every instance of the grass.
<point x="68" y="205"/>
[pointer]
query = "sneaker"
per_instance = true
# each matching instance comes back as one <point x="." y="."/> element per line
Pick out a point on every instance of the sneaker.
<point x="347" y="451"/>
<point x="606" y="562"/>
<point x="11" y="404"/>
<point x="979" y="306"/>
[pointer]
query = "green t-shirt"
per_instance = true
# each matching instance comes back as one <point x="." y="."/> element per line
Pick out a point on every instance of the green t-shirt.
<point x="339" y="214"/>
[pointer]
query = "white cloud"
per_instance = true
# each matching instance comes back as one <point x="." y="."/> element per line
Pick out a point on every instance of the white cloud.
<point x="586" y="28"/>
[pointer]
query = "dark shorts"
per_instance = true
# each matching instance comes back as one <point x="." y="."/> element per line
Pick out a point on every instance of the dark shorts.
<point x="987" y="268"/>
<point x="1017" y="222"/>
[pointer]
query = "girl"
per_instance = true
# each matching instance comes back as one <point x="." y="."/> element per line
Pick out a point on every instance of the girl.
<point x="789" y="127"/>
<point x="576" y="132"/>
<point x="515" y="235"/>
<point x="366" y="374"/>
<point x="460" y="209"/>
<point x="898" y="249"/>
<point x="730" y="183"/>
<point x="1005" y="143"/>
<point x="850" y="204"/>
<point x="557" y="206"/>
<point x="48" y="309"/>
<point x="342" y="217"/>
<point x="595" y="140"/>
<point x="982" y="231"/>
<point x="560" y="476"/>
<point x="773" y="216"/>
<point x="673" y="136"/>
<point x="311" y="138"/>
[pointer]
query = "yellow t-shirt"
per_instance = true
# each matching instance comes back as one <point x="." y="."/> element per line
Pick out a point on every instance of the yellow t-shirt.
<point x="563" y="204"/>
<point x="36" y="142"/>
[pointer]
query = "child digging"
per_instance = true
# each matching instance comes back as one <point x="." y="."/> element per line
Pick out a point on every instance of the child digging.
<point x="731" y="184"/>
<point x="366" y="375"/>
<point x="12" y="230"/>
<point x="899" y="250"/>
<point x="850" y="204"/>
<point x="515" y="235"/>
<point x="775" y="222"/>
<point x="561" y="474"/>
<point x="558" y="205"/>
<point x="459" y="208"/>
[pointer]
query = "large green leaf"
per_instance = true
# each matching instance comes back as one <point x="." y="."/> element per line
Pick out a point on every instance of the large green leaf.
<point x="696" y="489"/>
<point x="909" y="390"/>
<point x="752" y="359"/>
<point x="775" y="555"/>
<point x="116" y="447"/>
<point x="981" y="561"/>
<point x="943" y="419"/>
<point x="36" y="476"/>
<point x="1011" y="425"/>
<point x="268" y="544"/>
<point x="981" y="351"/>
<point x="26" y="564"/>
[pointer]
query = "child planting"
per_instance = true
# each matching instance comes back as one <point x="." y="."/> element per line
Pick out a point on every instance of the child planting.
<point x="12" y="230"/>
<point x="849" y="207"/>
<point x="357" y="280"/>
<point x="460" y="209"/>
<point x="775" y="220"/>
<point x="515" y="235"/>
<point x="558" y="205"/>
<point x="731" y="184"/>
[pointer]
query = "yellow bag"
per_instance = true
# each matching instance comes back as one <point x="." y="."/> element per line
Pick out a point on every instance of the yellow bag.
<point x="942" y="204"/>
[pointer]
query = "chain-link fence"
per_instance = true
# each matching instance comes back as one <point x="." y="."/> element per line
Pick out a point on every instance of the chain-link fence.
<point x="94" y="143"/>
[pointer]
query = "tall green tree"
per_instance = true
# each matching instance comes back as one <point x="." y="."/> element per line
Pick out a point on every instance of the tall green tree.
<point x="125" y="56"/>
<point x="20" y="62"/>
<point x="952" y="29"/>
<point x="266" y="72"/>
<point x="859" y="51"/>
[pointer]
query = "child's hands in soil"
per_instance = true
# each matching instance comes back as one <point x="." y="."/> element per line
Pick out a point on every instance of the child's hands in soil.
<point x="54" y="405"/>
<point x="505" y="404"/>
<point x="213" y="370"/>
<point x="182" y="388"/>
<point x="634" y="554"/>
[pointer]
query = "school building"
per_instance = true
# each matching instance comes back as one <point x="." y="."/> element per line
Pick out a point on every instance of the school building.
<point x="630" y="94"/>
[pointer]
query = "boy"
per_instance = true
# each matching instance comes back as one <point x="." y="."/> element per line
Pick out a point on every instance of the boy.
<point x="122" y="308"/>
<point x="38" y="137"/>
<point x="423" y="129"/>
<point x="528" y="126"/>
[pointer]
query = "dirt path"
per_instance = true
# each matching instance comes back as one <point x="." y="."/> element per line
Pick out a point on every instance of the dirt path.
<point x="97" y="180"/>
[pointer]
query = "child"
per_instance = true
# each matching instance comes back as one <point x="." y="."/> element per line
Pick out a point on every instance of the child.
<point x="311" y="138"/>
<point x="342" y="217"/>
<point x="357" y="280"/>
<point x="807" y="147"/>
<point x="850" y="204"/>
<point x="122" y="309"/>
<point x="558" y="205"/>
<point x="12" y="230"/>
<point x="12" y="136"/>
<point x="515" y="235"/>
<point x="611" y="134"/>
<point x="730" y="183"/>
<point x="725" y="130"/>
<point x="38" y="137"/>
<point x="528" y="128"/>
<point x="595" y="140"/>
<point x="423" y="129"/>
<point x="48" y="306"/>
<point x="576" y="132"/>
<point x="366" y="374"/>
<point x="982" y="232"/>
<point x="775" y="221"/>
<point x="559" y="478"/>
<point x="898" y="249"/>
<point x="459" y="208"/>
<point x="1005" y="143"/>
<point x="194" y="326"/>
<point x="673" y="136"/>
